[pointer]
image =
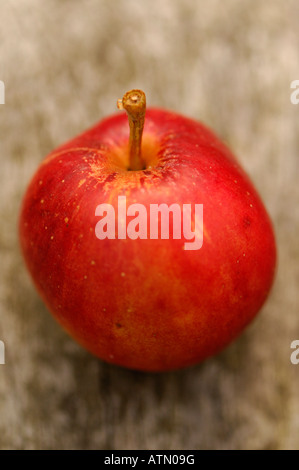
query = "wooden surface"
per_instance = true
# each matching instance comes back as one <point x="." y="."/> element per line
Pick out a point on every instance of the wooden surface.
<point x="229" y="64"/>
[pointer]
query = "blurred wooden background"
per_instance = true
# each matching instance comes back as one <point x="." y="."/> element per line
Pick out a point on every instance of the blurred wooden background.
<point x="229" y="64"/>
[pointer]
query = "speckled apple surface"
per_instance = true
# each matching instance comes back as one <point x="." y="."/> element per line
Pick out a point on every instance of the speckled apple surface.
<point x="148" y="304"/>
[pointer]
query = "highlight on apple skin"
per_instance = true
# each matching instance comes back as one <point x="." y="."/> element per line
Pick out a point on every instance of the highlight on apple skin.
<point x="147" y="304"/>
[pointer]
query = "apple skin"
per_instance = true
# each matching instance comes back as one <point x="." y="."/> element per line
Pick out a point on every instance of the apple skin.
<point x="148" y="305"/>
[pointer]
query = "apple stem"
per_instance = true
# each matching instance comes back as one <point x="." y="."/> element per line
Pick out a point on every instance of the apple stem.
<point x="134" y="103"/>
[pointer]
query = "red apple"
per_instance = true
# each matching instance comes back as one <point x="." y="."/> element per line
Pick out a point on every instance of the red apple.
<point x="147" y="304"/>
